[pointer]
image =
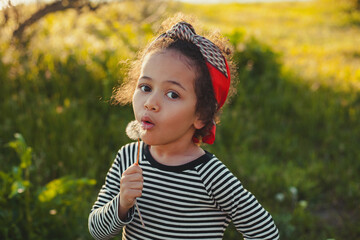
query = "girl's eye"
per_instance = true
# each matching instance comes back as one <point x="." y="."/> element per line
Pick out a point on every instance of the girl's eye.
<point x="172" y="95"/>
<point x="145" y="88"/>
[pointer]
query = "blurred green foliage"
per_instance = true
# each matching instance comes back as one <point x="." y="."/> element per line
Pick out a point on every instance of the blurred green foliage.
<point x="291" y="134"/>
<point x="31" y="211"/>
<point x="296" y="149"/>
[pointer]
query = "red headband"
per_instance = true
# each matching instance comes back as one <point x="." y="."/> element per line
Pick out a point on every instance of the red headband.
<point x="215" y="61"/>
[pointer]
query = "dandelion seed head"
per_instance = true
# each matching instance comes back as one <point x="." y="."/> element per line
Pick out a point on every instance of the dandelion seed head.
<point x="133" y="130"/>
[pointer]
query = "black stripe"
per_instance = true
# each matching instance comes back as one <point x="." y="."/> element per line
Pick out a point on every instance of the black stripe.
<point x="191" y="165"/>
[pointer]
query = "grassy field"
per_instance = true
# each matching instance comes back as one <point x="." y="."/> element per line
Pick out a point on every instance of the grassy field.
<point x="291" y="134"/>
<point x="316" y="40"/>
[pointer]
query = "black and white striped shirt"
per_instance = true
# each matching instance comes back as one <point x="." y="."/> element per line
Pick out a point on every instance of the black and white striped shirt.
<point x="192" y="201"/>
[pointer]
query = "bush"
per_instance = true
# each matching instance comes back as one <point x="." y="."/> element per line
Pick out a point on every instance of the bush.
<point x="31" y="211"/>
<point x="291" y="146"/>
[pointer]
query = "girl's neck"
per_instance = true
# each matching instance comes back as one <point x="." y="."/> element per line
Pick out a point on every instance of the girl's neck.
<point x="176" y="155"/>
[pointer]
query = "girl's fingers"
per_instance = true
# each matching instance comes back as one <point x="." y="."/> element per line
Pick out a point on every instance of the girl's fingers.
<point x="133" y="169"/>
<point x="134" y="177"/>
<point x="132" y="185"/>
<point x="131" y="175"/>
<point x="131" y="194"/>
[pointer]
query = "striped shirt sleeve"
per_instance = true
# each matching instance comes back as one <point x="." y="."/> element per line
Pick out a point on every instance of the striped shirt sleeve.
<point x="246" y="213"/>
<point x="104" y="221"/>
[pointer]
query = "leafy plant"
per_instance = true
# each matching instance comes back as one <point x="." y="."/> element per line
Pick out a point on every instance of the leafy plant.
<point x="29" y="211"/>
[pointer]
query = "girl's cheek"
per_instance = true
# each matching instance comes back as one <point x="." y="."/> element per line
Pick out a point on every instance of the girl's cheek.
<point x="136" y="96"/>
<point x="138" y="101"/>
<point x="135" y="101"/>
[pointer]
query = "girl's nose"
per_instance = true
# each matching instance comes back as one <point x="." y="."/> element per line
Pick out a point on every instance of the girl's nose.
<point x="151" y="104"/>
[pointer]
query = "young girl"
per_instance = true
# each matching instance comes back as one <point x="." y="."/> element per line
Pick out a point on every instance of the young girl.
<point x="181" y="190"/>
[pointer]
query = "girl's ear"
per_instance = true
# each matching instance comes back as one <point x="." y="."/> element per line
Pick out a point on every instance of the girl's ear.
<point x="198" y="124"/>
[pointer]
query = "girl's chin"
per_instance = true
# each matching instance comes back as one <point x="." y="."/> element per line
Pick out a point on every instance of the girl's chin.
<point x="153" y="142"/>
<point x="147" y="140"/>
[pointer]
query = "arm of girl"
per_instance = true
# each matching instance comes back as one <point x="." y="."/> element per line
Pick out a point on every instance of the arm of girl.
<point x="246" y="213"/>
<point x="113" y="209"/>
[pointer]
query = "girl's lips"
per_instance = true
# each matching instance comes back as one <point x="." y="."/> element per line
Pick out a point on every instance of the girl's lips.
<point x="146" y="123"/>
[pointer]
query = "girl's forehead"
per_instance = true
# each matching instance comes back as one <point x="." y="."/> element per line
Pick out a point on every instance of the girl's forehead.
<point x="169" y="52"/>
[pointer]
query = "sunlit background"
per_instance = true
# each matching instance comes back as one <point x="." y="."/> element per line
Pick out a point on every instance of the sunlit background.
<point x="291" y="134"/>
<point x="4" y="3"/>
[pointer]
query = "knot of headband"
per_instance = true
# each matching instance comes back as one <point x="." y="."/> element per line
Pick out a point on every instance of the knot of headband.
<point x="215" y="62"/>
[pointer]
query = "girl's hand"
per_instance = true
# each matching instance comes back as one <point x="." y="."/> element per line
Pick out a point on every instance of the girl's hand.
<point x="131" y="185"/>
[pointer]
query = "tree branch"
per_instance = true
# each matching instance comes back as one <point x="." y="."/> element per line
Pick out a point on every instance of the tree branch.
<point x="51" y="8"/>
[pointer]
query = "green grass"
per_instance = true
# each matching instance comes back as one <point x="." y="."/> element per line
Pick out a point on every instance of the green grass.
<point x="307" y="34"/>
<point x="290" y="134"/>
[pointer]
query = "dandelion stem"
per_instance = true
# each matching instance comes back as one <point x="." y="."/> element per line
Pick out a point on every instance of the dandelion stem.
<point x="138" y="153"/>
<point x="137" y="163"/>
<point x="138" y="210"/>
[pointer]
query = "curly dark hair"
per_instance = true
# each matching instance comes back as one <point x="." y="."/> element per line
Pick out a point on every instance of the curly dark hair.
<point x="206" y="105"/>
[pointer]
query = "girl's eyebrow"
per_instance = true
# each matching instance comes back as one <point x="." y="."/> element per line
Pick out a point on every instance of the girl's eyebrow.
<point x="145" y="77"/>
<point x="176" y="83"/>
<point x="168" y="81"/>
